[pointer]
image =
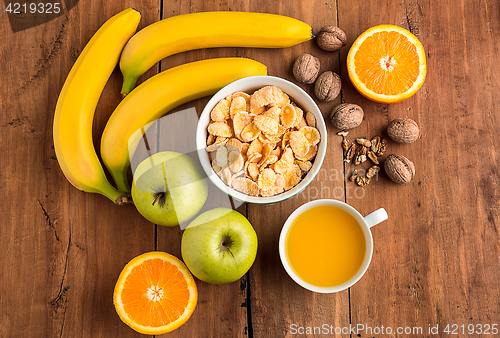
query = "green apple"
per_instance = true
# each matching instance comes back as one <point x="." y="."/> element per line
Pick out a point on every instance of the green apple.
<point x="219" y="246"/>
<point x="169" y="188"/>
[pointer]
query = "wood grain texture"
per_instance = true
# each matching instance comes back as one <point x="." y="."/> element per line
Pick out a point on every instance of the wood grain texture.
<point x="62" y="249"/>
<point x="436" y="260"/>
<point x="279" y="305"/>
<point x="221" y="309"/>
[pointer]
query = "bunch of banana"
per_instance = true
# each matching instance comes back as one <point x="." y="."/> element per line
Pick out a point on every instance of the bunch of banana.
<point x="77" y="103"/>
<point x="78" y="99"/>
<point x="160" y="94"/>
<point x="205" y="30"/>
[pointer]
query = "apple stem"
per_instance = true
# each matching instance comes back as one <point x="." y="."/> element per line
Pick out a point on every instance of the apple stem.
<point x="157" y="198"/>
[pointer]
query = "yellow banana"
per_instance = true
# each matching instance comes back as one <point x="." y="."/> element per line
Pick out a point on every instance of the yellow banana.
<point x="78" y="100"/>
<point x="205" y="30"/>
<point x="159" y="94"/>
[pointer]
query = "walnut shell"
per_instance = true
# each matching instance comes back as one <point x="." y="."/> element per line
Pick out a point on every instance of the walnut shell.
<point x="347" y="116"/>
<point x="403" y="130"/>
<point x="331" y="38"/>
<point x="327" y="86"/>
<point x="306" y="68"/>
<point x="399" y="169"/>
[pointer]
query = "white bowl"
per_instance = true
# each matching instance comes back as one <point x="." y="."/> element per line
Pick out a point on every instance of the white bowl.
<point x="249" y="85"/>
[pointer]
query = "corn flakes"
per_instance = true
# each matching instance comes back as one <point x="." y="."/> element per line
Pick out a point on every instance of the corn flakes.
<point x="277" y="188"/>
<point x="264" y="138"/>
<point x="267" y="95"/>
<point x="220" y="112"/>
<point x="271" y="159"/>
<point x="245" y="96"/>
<point x="253" y="170"/>
<point x="304" y="165"/>
<point x="250" y="133"/>
<point x="221" y="156"/>
<point x="220" y="129"/>
<point x="288" y="116"/>
<point x="255" y="148"/>
<point x="245" y="186"/>
<point x="235" y="161"/>
<point x="292" y="177"/>
<point x="266" y="124"/>
<point x="240" y="120"/>
<point x="299" y="144"/>
<point x="310" y="154"/>
<point x="233" y="142"/>
<point x="274" y="113"/>
<point x="285" y="162"/>
<point x="311" y="134"/>
<point x="266" y="179"/>
<point x="226" y="175"/>
<point x="237" y="104"/>
<point x="261" y="144"/>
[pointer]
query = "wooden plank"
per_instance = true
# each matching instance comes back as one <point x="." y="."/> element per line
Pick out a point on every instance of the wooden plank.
<point x="278" y="305"/>
<point x="221" y="309"/>
<point x="436" y="258"/>
<point x="64" y="249"/>
<point x="216" y="303"/>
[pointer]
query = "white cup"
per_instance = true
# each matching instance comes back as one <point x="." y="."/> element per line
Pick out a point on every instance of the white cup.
<point x="366" y="223"/>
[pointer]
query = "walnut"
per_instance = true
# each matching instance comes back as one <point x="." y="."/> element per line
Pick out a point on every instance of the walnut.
<point x="331" y="38"/>
<point x="353" y="175"/>
<point x="351" y="152"/>
<point x="399" y="169"/>
<point x="362" y="181"/>
<point x="372" y="156"/>
<point x="382" y="147"/>
<point x="347" y="116"/>
<point x="345" y="145"/>
<point x="306" y="68"/>
<point x="403" y="130"/>
<point x="327" y="87"/>
<point x="372" y="171"/>
<point x="364" y="142"/>
<point x="375" y="144"/>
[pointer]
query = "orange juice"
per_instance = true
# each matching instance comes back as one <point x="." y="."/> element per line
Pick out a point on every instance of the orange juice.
<point x="325" y="246"/>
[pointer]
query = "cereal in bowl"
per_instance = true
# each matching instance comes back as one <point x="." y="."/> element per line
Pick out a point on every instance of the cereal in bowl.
<point x="261" y="144"/>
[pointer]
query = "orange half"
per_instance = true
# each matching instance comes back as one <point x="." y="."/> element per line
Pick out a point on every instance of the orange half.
<point x="387" y="64"/>
<point x="155" y="293"/>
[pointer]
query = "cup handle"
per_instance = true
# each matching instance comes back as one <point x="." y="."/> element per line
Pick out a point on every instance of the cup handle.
<point x="376" y="217"/>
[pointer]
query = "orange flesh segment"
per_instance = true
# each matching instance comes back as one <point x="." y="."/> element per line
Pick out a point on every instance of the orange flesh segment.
<point x="387" y="63"/>
<point x="155" y="293"/>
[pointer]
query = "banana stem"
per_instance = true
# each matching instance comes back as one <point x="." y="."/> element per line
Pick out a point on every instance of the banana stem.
<point x="118" y="197"/>
<point x="124" y="199"/>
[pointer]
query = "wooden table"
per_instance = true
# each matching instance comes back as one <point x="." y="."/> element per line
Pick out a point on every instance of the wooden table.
<point x="435" y="262"/>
